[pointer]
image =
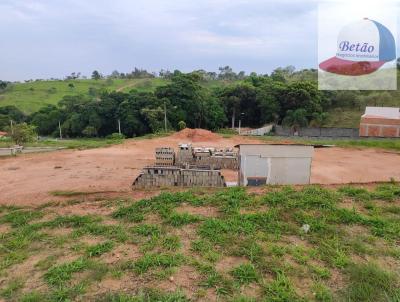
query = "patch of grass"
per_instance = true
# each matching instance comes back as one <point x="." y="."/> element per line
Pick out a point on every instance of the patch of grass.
<point x="322" y="293"/>
<point x="180" y="219"/>
<point x="19" y="218"/>
<point x="59" y="274"/>
<point x="280" y="289"/>
<point x="163" y="260"/>
<point x="72" y="221"/>
<point x="205" y="249"/>
<point x="245" y="274"/>
<point x="34" y="296"/>
<point x="357" y="193"/>
<point x="320" y="272"/>
<point x="388" y="192"/>
<point x="368" y="282"/>
<point x="68" y="293"/>
<point x="12" y="289"/>
<point x="46" y="263"/>
<point x="99" y="249"/>
<point x="146" y="295"/>
<point x="171" y="243"/>
<point x="147" y="230"/>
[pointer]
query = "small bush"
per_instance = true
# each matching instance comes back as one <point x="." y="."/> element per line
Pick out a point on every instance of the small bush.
<point x="116" y="136"/>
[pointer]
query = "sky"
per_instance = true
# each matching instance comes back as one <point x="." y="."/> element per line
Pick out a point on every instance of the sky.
<point x="53" y="38"/>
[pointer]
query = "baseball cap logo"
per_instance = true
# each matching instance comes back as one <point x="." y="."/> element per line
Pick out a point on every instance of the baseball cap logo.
<point x="362" y="48"/>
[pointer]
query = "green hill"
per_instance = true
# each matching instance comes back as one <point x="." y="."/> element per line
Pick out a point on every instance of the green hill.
<point x="31" y="96"/>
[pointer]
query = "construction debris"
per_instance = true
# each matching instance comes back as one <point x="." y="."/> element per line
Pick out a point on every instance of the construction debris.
<point x="190" y="167"/>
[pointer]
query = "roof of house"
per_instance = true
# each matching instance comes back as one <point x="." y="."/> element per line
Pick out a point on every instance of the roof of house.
<point x="382" y="112"/>
<point x="3" y="133"/>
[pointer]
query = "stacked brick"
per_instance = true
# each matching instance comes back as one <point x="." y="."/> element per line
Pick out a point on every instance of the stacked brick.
<point x="175" y="176"/>
<point x="165" y="156"/>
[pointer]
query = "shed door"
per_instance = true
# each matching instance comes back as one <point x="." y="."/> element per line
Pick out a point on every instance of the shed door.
<point x="256" y="170"/>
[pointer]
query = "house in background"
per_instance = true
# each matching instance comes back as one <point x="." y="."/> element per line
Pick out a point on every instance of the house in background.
<point x="3" y="134"/>
<point x="261" y="164"/>
<point x="380" y="122"/>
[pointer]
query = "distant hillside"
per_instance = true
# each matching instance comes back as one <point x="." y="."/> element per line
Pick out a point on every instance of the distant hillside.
<point x="30" y="97"/>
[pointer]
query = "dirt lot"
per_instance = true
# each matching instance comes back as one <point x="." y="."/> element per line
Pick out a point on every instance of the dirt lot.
<point x="29" y="179"/>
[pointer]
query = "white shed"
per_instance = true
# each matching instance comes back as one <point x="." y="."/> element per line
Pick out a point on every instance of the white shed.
<point x="274" y="164"/>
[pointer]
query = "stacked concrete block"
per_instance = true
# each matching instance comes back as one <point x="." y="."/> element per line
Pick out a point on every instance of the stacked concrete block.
<point x="174" y="176"/>
<point x="165" y="156"/>
<point x="185" y="154"/>
<point x="219" y="162"/>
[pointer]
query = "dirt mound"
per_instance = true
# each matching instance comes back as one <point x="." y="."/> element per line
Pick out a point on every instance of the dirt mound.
<point x="196" y="135"/>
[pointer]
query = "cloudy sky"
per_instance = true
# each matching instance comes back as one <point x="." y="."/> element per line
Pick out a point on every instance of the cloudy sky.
<point x="52" y="38"/>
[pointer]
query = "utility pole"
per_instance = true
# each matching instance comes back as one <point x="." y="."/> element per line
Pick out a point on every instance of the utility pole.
<point x="12" y="127"/>
<point x="240" y="121"/>
<point x="59" y="128"/>
<point x="165" y="116"/>
<point x="119" y="126"/>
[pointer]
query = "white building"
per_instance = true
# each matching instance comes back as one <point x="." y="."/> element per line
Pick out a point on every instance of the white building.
<point x="274" y="164"/>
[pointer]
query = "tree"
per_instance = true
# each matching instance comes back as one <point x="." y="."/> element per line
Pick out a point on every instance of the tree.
<point x="181" y="125"/>
<point x="296" y="118"/>
<point x="186" y="96"/>
<point x="318" y="119"/>
<point x="46" y="119"/>
<point x="22" y="133"/>
<point x="3" y="85"/>
<point x="96" y="75"/>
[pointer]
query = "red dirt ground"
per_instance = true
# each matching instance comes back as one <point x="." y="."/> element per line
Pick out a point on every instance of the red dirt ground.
<point x="29" y="178"/>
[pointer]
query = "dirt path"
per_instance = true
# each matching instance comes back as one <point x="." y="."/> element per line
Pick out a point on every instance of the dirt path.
<point x="28" y="179"/>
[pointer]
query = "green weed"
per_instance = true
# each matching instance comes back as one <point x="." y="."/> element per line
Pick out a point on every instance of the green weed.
<point x="162" y="260"/>
<point x="99" y="249"/>
<point x="368" y="282"/>
<point x="245" y="273"/>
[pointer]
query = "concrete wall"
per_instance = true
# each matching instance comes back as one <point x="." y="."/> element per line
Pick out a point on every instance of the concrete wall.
<point x="318" y="132"/>
<point x="174" y="176"/>
<point x="278" y="164"/>
<point x="260" y="131"/>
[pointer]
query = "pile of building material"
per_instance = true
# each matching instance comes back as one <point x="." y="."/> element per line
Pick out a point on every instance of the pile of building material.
<point x="176" y="176"/>
<point x="188" y="168"/>
<point x="207" y="156"/>
<point x="165" y="156"/>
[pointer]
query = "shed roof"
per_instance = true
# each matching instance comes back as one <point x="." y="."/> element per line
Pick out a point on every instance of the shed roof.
<point x="382" y="112"/>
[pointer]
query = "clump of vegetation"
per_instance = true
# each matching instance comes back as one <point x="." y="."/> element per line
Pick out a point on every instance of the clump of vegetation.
<point x="368" y="282"/>
<point x="245" y="273"/>
<point x="99" y="249"/>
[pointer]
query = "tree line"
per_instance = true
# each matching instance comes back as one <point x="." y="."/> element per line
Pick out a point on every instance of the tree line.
<point x="285" y="96"/>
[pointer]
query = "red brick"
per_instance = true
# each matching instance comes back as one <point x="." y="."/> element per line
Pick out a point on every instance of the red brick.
<point x="373" y="130"/>
<point x="389" y="131"/>
<point x="363" y="130"/>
